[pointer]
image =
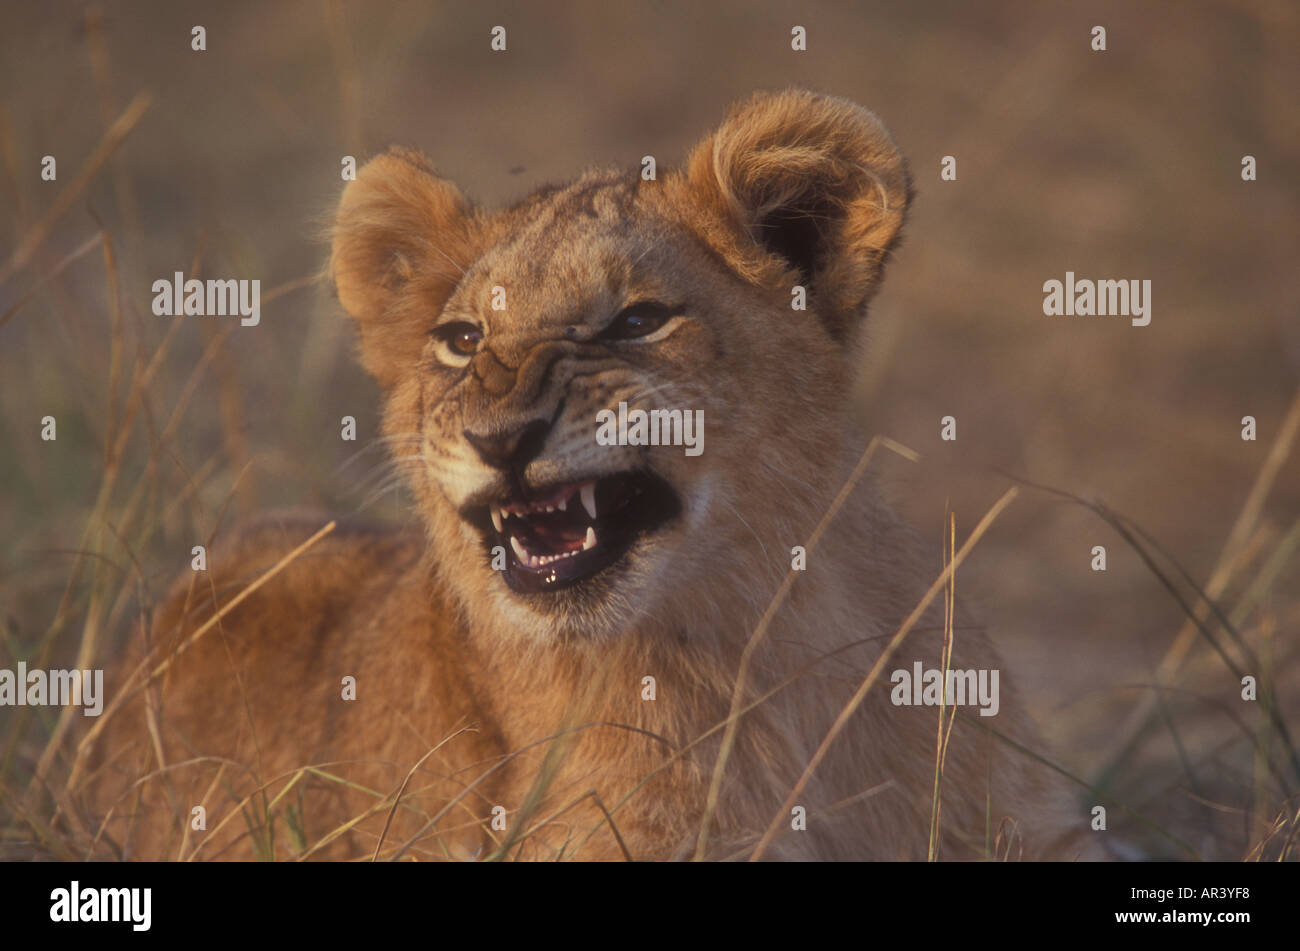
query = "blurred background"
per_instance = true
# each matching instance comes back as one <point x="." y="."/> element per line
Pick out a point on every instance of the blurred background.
<point x="1117" y="164"/>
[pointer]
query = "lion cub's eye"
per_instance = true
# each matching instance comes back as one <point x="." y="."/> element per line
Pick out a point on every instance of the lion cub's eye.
<point x="458" y="341"/>
<point x="638" y="320"/>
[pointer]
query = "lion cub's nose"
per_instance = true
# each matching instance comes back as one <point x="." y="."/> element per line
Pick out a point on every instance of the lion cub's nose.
<point x="513" y="448"/>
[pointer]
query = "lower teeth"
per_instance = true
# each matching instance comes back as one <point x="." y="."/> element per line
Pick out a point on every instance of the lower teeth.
<point x="529" y="560"/>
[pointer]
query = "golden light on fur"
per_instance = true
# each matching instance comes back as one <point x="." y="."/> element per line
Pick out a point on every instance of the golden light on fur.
<point x="479" y="698"/>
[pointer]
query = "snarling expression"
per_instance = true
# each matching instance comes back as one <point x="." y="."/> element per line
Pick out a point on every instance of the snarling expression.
<point x="504" y="339"/>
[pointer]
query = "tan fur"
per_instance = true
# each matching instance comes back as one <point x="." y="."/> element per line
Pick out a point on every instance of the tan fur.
<point x="792" y="188"/>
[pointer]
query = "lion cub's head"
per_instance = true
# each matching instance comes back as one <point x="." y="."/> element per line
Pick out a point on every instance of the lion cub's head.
<point x="500" y="337"/>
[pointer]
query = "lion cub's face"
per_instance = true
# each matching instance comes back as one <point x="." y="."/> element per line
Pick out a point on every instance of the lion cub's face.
<point x="508" y="342"/>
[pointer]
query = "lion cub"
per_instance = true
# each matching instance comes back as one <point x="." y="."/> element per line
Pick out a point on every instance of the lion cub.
<point x="545" y="666"/>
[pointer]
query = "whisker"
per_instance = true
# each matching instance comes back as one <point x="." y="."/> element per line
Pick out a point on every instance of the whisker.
<point x="727" y="505"/>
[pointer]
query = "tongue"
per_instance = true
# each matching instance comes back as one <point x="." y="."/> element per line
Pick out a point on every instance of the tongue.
<point x="557" y="531"/>
<point x="554" y="533"/>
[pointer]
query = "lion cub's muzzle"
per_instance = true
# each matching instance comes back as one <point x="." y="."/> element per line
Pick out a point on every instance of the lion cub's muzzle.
<point x="559" y="535"/>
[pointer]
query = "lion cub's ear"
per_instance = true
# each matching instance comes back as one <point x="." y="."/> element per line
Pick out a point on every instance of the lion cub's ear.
<point x="815" y="182"/>
<point x="401" y="240"/>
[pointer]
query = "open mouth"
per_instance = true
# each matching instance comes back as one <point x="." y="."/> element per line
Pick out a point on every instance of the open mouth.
<point x="560" y="535"/>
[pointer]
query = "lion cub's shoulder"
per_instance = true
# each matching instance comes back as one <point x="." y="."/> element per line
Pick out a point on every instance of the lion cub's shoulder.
<point x="355" y="561"/>
<point x="276" y="660"/>
<point x="275" y="605"/>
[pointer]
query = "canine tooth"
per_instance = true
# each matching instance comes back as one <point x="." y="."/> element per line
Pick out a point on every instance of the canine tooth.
<point x="590" y="541"/>
<point x="497" y="523"/>
<point x="588" y="494"/>
<point x="520" y="552"/>
<point x="563" y="505"/>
